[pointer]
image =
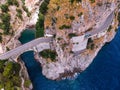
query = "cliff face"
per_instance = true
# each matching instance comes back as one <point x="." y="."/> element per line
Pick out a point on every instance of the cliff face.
<point x="66" y="20"/>
<point x="22" y="14"/>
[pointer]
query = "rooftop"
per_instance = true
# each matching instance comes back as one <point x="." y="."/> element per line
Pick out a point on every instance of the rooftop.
<point x="79" y="43"/>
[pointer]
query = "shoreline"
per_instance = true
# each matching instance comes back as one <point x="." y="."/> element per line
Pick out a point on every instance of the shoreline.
<point x="69" y="74"/>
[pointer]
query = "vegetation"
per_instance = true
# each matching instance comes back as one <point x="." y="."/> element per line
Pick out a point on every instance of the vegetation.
<point x="4" y="8"/>
<point x="26" y="10"/>
<point x="109" y="29"/>
<point x="118" y="18"/>
<point x="13" y="2"/>
<point x="65" y="27"/>
<point x="49" y="54"/>
<point x="90" y="44"/>
<point x="92" y="1"/>
<point x="5" y="16"/>
<point x="80" y="14"/>
<point x="19" y="13"/>
<point x="40" y="22"/>
<point x="23" y="1"/>
<point x="72" y="17"/>
<point x="64" y="45"/>
<point x="79" y="0"/>
<point x="9" y="75"/>
<point x="43" y="7"/>
<point x="71" y="1"/>
<point x="5" y="25"/>
<point x="0" y="38"/>
<point x="66" y="16"/>
<point x="27" y="83"/>
<point x="40" y="26"/>
<point x="72" y="35"/>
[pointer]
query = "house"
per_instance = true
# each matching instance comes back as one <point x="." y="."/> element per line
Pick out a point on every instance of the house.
<point x="79" y="43"/>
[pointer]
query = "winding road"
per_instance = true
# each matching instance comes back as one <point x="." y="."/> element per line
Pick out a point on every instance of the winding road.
<point x="102" y="28"/>
<point x="25" y="47"/>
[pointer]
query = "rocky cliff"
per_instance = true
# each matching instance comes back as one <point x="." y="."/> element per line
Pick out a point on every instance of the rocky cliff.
<point x="22" y="14"/>
<point x="66" y="19"/>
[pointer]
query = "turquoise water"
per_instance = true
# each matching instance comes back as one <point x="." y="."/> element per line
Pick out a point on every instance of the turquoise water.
<point x="27" y="35"/>
<point x="102" y="74"/>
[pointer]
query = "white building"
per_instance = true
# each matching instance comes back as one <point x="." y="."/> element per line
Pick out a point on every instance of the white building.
<point x="79" y="43"/>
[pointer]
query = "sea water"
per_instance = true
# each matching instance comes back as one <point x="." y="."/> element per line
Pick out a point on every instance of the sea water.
<point x="102" y="74"/>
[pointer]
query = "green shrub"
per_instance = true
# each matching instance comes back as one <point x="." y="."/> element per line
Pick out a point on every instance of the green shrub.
<point x="27" y="83"/>
<point x="109" y="29"/>
<point x="43" y="7"/>
<point x="26" y="10"/>
<point x="19" y="13"/>
<point x="90" y="44"/>
<point x="0" y="38"/>
<point x="72" y="35"/>
<point x="118" y="18"/>
<point x="9" y="77"/>
<point x="64" y="27"/>
<point x="13" y="2"/>
<point x="4" y="8"/>
<point x="79" y="0"/>
<point x="40" y="26"/>
<point x="40" y="22"/>
<point x="71" y="1"/>
<point x="92" y="1"/>
<point x="5" y="25"/>
<point x="72" y="17"/>
<point x="49" y="54"/>
<point x="80" y="14"/>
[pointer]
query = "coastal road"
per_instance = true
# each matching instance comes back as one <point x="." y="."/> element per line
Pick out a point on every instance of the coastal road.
<point x="19" y="50"/>
<point x="25" y="47"/>
<point x="102" y="28"/>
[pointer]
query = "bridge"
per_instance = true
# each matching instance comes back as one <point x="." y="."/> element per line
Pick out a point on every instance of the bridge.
<point x="25" y="47"/>
<point x="39" y="43"/>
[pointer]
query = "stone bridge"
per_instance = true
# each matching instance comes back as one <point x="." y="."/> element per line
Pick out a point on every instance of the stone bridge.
<point x="37" y="44"/>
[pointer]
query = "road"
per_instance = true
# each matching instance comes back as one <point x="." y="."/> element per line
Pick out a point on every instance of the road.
<point x="102" y="28"/>
<point x="19" y="50"/>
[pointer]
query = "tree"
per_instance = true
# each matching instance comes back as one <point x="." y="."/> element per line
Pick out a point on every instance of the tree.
<point x="40" y="26"/>
<point x="92" y="1"/>
<point x="0" y="38"/>
<point x="8" y="70"/>
<point x="2" y="62"/>
<point x="13" y="2"/>
<point x="49" y="54"/>
<point x="65" y="27"/>
<point x="72" y="35"/>
<point x="43" y="7"/>
<point x="27" y="83"/>
<point x="6" y="22"/>
<point x="19" y="13"/>
<point x="4" y="8"/>
<point x="80" y="14"/>
<point x="9" y="85"/>
<point x="72" y="17"/>
<point x="71" y="1"/>
<point x="118" y="18"/>
<point x="79" y="0"/>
